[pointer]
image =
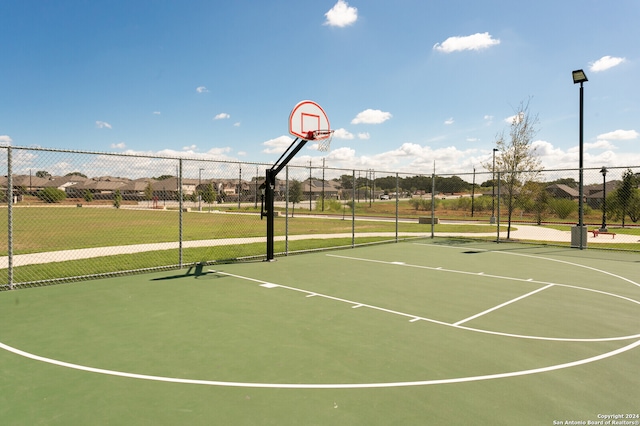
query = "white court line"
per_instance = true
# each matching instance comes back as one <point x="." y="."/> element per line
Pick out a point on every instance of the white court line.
<point x="355" y="385"/>
<point x="318" y="385"/>
<point x="578" y="265"/>
<point x="415" y="318"/>
<point x="502" y="305"/>
<point x="527" y="280"/>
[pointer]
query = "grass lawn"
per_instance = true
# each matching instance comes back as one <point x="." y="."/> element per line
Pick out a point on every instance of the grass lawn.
<point x="54" y="228"/>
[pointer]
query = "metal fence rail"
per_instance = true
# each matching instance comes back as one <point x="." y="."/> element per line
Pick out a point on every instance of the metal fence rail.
<point x="75" y="215"/>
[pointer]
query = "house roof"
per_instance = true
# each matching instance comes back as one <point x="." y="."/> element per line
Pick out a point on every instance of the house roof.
<point x="556" y="187"/>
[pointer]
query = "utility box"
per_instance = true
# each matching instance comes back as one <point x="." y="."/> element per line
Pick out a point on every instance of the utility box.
<point x="575" y="236"/>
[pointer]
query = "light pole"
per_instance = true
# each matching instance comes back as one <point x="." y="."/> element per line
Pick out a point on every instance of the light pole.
<point x="493" y="189"/>
<point x="580" y="77"/>
<point x="603" y="228"/>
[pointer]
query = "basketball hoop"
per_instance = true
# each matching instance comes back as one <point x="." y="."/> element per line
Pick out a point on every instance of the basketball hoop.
<point x="322" y="137"/>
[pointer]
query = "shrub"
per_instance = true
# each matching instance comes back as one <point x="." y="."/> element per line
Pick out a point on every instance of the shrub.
<point x="421" y="203"/>
<point x="330" y="204"/>
<point x="51" y="195"/>
<point x="562" y="207"/>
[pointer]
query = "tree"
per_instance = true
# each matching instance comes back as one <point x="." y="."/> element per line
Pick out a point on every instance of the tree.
<point x="570" y="182"/>
<point x="626" y="196"/>
<point x="295" y="193"/>
<point x="43" y="174"/>
<point x="76" y="174"/>
<point x="88" y="196"/>
<point x="117" y="199"/>
<point x="148" y="193"/>
<point x="517" y="161"/>
<point x="208" y="194"/>
<point x="535" y="199"/>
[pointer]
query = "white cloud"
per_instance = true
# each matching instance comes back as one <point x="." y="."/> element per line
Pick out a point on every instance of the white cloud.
<point x="605" y="63"/>
<point x="236" y="124"/>
<point x="242" y="153"/>
<point x="620" y="135"/>
<point x="514" y="118"/>
<point x="190" y="148"/>
<point x="371" y="116"/>
<point x="156" y="112"/>
<point x="341" y="155"/>
<point x="103" y="125"/>
<point x="219" y="153"/>
<point x="119" y="145"/>
<point x="222" y="116"/>
<point x="476" y="41"/>
<point x="364" y="136"/>
<point x="599" y="144"/>
<point x="343" y="134"/>
<point x="5" y="140"/>
<point x="201" y="89"/>
<point x="277" y="145"/>
<point x="341" y="15"/>
<point x="449" y="122"/>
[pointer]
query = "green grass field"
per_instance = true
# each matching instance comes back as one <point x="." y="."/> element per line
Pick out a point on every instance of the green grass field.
<point x="423" y="332"/>
<point x="59" y="228"/>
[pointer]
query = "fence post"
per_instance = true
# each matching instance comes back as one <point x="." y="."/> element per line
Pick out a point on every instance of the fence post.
<point x="433" y="202"/>
<point x="498" y="208"/>
<point x="9" y="219"/>
<point x="397" y="201"/>
<point x="180" y="206"/>
<point x="353" y="211"/>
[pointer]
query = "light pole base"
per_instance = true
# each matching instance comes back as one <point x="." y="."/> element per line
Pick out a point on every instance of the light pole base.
<point x="576" y="240"/>
<point x="603" y="229"/>
<point x="492" y="220"/>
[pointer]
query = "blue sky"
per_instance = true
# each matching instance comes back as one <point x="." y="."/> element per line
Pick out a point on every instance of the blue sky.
<point x="404" y="83"/>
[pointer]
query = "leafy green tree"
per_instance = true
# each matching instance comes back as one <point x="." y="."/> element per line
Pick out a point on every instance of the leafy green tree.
<point x="117" y="199"/>
<point x="295" y="193"/>
<point x="88" y="196"/>
<point x="43" y="174"/>
<point x="562" y="207"/>
<point x="534" y="198"/>
<point x="570" y="182"/>
<point x="208" y="194"/>
<point x="51" y="195"/>
<point x="625" y="195"/>
<point x="345" y="181"/>
<point x="76" y="174"/>
<point x="148" y="192"/>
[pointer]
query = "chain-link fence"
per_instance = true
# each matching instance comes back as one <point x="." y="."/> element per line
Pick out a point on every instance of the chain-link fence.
<point x="75" y="215"/>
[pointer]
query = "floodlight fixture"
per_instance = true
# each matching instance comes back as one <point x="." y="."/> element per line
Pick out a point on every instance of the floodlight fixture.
<point x="579" y="77"/>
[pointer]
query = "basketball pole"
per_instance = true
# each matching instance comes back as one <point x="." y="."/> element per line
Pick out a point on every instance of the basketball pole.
<point x="269" y="192"/>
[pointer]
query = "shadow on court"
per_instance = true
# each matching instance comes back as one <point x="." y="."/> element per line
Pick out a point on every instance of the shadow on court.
<point x="196" y="270"/>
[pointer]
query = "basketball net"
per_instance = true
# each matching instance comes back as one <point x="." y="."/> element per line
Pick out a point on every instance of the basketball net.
<point x="323" y="138"/>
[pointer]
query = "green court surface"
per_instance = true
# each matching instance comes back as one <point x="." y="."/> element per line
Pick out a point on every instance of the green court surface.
<point x="413" y="333"/>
